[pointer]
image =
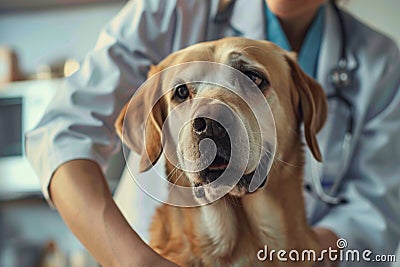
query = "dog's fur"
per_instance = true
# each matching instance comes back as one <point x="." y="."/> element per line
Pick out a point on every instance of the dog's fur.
<point x="230" y="231"/>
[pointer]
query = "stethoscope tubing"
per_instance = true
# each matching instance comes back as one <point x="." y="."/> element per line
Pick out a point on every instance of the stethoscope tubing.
<point x="340" y="78"/>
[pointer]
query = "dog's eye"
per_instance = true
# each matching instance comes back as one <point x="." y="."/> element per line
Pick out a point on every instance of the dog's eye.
<point x="255" y="77"/>
<point x="182" y="92"/>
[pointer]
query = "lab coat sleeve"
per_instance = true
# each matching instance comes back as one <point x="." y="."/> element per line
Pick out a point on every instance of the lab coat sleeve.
<point x="79" y="123"/>
<point x="371" y="218"/>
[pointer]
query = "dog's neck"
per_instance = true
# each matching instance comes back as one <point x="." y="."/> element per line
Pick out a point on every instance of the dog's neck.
<point x="269" y="214"/>
<point x="277" y="211"/>
<point x="274" y="215"/>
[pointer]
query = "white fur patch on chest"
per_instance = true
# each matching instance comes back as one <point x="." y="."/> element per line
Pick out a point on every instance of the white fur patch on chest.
<point x="219" y="222"/>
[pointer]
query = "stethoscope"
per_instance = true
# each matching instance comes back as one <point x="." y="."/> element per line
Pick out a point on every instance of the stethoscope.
<point x="340" y="78"/>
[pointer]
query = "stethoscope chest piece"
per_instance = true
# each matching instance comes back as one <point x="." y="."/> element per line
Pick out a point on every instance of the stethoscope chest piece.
<point x="340" y="76"/>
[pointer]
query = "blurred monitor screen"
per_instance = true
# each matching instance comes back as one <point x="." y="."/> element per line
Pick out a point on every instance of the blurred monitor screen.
<point x="10" y="127"/>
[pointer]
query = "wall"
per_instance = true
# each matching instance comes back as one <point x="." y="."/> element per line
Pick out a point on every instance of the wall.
<point x="52" y="35"/>
<point x="382" y="15"/>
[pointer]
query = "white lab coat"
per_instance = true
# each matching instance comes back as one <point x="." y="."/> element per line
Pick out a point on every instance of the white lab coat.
<point x="79" y="122"/>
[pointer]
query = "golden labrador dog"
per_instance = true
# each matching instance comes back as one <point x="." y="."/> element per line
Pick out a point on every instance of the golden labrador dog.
<point x="233" y="229"/>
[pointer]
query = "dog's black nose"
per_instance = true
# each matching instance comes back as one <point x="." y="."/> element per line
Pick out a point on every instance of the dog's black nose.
<point x="199" y="125"/>
<point x="206" y="127"/>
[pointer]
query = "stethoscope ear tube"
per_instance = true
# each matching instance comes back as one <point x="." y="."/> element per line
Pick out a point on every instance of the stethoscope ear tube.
<point x="319" y="190"/>
<point x="340" y="78"/>
<point x="343" y="59"/>
<point x="344" y="160"/>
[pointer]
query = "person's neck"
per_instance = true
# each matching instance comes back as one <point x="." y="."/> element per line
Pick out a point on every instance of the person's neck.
<point x="296" y="28"/>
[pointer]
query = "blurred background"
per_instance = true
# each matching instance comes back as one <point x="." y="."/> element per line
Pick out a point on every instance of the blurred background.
<point x="42" y="41"/>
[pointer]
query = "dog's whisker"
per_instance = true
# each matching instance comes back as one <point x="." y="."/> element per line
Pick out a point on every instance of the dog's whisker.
<point x="297" y="132"/>
<point x="258" y="132"/>
<point x="226" y="207"/>
<point x="270" y="154"/>
<point x="179" y="177"/>
<point x="173" y="171"/>
<point x="284" y="162"/>
<point x="182" y="174"/>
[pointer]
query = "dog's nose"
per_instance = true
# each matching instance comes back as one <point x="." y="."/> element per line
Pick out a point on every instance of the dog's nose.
<point x="208" y="127"/>
<point x="199" y="125"/>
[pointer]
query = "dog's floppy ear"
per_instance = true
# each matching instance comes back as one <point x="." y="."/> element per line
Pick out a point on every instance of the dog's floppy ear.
<point x="140" y="122"/>
<point x="313" y="105"/>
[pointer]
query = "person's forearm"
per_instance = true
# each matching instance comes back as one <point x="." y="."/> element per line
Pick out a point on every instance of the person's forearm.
<point x="79" y="191"/>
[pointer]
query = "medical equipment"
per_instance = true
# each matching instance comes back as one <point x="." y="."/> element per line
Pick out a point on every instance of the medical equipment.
<point x="340" y="78"/>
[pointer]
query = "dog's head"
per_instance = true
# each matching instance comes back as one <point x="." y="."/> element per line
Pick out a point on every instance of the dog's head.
<point x="211" y="112"/>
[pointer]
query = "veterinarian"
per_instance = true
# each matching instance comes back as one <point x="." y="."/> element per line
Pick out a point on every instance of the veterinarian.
<point x="358" y="67"/>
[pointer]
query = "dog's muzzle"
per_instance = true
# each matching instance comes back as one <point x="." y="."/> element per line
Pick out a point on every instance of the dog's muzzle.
<point x="208" y="128"/>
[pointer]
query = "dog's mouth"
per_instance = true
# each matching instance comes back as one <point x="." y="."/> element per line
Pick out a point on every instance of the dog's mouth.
<point x="218" y="167"/>
<point x="215" y="169"/>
